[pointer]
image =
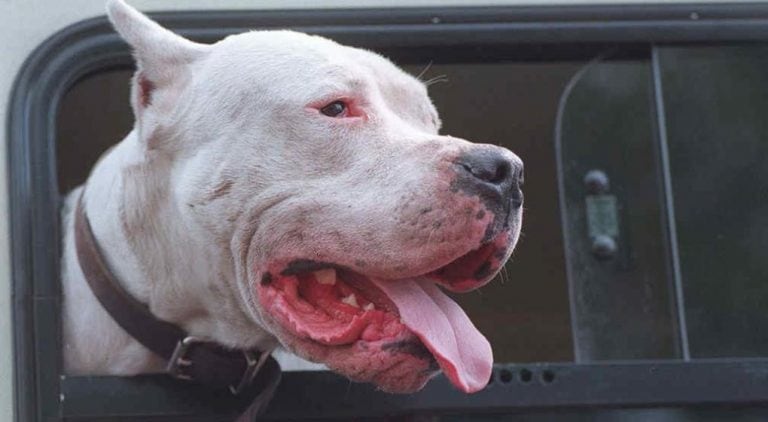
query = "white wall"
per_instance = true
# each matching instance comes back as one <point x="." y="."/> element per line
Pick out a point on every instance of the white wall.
<point x="24" y="24"/>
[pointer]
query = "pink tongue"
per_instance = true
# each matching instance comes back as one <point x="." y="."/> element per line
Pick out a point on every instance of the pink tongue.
<point x="463" y="353"/>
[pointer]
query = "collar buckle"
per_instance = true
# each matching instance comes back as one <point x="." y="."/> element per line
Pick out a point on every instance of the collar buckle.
<point x="179" y="360"/>
<point x="180" y="363"/>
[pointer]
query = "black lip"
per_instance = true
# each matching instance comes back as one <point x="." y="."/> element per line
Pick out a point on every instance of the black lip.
<point x="414" y="348"/>
<point x="266" y="279"/>
<point x="299" y="266"/>
<point x="483" y="271"/>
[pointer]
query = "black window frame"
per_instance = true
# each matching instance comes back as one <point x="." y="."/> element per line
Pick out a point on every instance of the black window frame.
<point x="465" y="33"/>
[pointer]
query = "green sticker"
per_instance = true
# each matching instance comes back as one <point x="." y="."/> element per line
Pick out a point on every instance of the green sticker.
<point x="602" y="216"/>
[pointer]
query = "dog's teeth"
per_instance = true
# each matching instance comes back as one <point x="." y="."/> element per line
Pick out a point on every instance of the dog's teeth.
<point x="368" y="307"/>
<point x="326" y="276"/>
<point x="351" y="300"/>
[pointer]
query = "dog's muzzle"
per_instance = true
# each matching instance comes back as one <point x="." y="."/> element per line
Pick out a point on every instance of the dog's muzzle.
<point x="495" y="176"/>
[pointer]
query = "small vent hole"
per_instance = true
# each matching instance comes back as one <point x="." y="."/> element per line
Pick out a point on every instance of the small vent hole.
<point x="548" y="376"/>
<point x="505" y="376"/>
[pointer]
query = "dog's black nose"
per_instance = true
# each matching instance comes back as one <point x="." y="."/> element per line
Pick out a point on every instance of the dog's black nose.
<point x="492" y="174"/>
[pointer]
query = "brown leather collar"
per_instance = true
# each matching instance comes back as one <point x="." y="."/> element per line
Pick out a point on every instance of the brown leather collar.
<point x="189" y="358"/>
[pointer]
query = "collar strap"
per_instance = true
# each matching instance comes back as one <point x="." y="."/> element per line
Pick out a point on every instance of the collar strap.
<point x="189" y="358"/>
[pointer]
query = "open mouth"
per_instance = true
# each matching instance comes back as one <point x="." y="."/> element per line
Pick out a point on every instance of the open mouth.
<point x="334" y="306"/>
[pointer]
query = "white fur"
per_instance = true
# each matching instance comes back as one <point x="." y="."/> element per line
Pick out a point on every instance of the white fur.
<point x="228" y="171"/>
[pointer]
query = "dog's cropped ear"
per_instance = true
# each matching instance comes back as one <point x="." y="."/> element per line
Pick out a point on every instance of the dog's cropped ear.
<point x="162" y="57"/>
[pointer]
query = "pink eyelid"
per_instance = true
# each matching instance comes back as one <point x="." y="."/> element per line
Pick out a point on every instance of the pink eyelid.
<point x="353" y="109"/>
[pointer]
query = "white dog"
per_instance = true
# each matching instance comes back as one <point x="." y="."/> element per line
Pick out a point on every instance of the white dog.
<point x="281" y="189"/>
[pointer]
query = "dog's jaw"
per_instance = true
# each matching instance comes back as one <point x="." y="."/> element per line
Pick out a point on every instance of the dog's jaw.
<point x="299" y="310"/>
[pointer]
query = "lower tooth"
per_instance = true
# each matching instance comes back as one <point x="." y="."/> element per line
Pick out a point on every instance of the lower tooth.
<point x="368" y="307"/>
<point x="351" y="300"/>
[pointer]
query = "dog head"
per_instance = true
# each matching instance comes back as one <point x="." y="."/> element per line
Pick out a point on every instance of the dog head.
<point x="318" y="170"/>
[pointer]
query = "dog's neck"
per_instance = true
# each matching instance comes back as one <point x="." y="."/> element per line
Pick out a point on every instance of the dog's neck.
<point x="158" y="258"/>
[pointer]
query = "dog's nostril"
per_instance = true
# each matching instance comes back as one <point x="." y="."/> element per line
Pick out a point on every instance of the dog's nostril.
<point x="503" y="170"/>
<point x="489" y="166"/>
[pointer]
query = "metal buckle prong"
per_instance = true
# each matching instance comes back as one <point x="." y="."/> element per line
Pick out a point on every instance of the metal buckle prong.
<point x="254" y="362"/>
<point x="179" y="358"/>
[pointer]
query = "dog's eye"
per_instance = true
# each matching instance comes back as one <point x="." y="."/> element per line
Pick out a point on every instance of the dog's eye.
<point x="335" y="109"/>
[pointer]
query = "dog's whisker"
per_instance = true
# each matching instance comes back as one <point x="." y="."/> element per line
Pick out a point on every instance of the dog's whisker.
<point x="429" y="237"/>
<point x="424" y="71"/>
<point x="436" y="79"/>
